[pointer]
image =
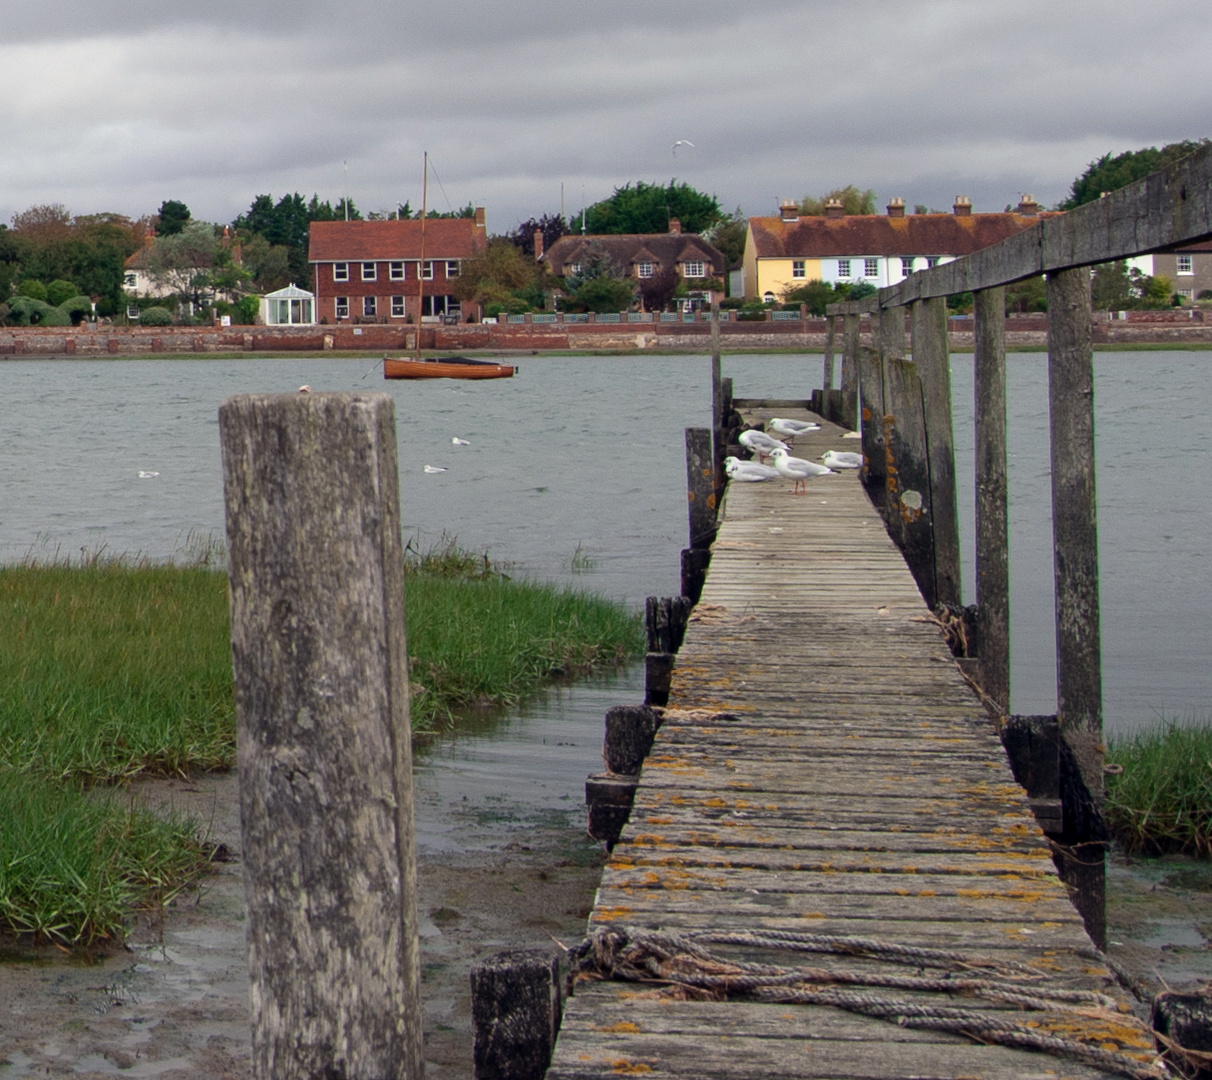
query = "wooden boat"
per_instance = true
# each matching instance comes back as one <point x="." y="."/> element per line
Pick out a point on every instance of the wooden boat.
<point x="444" y="367"/>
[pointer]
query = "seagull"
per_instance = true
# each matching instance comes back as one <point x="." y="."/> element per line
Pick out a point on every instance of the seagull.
<point x="145" y="474"/>
<point x="459" y="442"/>
<point x="842" y="459"/>
<point x="682" y="142"/>
<point x="434" y="468"/>
<point x="789" y="429"/>
<point x="760" y="443"/>
<point x="748" y="472"/>
<point x="798" y="469"/>
<point x="305" y="389"/>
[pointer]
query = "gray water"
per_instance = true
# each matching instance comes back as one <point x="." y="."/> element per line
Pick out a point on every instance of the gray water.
<point x="575" y="473"/>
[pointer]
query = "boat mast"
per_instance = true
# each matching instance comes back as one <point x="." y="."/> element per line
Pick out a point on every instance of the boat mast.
<point x="421" y="263"/>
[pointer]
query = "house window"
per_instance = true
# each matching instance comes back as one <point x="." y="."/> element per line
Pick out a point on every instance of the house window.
<point x="932" y="260"/>
<point x="370" y="271"/>
<point x="427" y="273"/>
<point x="370" y="306"/>
<point x="340" y="271"/>
<point x="129" y="281"/>
<point x="574" y="269"/>
<point x="397" y="307"/>
<point x="1186" y="294"/>
<point x="342" y="307"/>
<point x="843" y="268"/>
<point x="395" y="271"/>
<point x="799" y="268"/>
<point x="871" y="268"/>
<point x="907" y="265"/>
<point x="643" y="270"/>
<point x="694" y="269"/>
<point x="452" y="268"/>
<point x="1185" y="265"/>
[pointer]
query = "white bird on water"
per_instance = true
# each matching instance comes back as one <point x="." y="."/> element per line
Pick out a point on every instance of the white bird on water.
<point x="760" y="443"/>
<point x="789" y="429"/>
<point x="797" y="469"/>
<point x="842" y="459"/>
<point x="459" y="442"/>
<point x="748" y="472"/>
<point x="434" y="469"/>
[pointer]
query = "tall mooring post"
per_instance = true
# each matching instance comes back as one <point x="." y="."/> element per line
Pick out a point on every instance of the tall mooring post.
<point x="1079" y="704"/>
<point x="828" y="407"/>
<point x="321" y="671"/>
<point x="848" y="416"/>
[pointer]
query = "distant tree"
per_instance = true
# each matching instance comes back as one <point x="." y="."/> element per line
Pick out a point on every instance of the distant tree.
<point x="658" y="291"/>
<point x="183" y="263"/>
<point x="552" y="226"/>
<point x="268" y="265"/>
<point x="860" y="290"/>
<point x="172" y="218"/>
<point x="33" y="288"/>
<point x="50" y="221"/>
<point x="287" y="223"/>
<point x="648" y="208"/>
<point x="1027" y="296"/>
<point x="60" y="291"/>
<point x="853" y="201"/>
<point x="1111" y="173"/>
<point x="498" y="275"/>
<point x="1111" y="287"/>
<point x="605" y="294"/>
<point x="728" y="234"/>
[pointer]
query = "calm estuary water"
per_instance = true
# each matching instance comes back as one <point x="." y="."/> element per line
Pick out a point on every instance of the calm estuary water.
<point x="586" y="456"/>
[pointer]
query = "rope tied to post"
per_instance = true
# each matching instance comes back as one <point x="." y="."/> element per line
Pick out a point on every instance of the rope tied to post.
<point x="1080" y="1025"/>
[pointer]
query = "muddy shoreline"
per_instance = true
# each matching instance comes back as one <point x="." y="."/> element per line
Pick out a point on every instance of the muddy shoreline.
<point x="172" y="1002"/>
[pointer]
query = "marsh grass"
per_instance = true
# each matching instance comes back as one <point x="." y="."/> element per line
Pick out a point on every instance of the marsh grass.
<point x="73" y="865"/>
<point x="1162" y="801"/>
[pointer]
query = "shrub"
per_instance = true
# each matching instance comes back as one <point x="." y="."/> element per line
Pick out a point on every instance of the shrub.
<point x="32" y="288"/>
<point x="78" y="308"/>
<point x="156" y="316"/>
<point x="26" y="311"/>
<point x="58" y="292"/>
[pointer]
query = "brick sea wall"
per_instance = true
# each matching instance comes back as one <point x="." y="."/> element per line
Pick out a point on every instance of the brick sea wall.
<point x="1141" y="328"/>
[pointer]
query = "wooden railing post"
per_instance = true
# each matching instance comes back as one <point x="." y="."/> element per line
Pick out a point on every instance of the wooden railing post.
<point x="1075" y="561"/>
<point x="325" y="762"/>
<point x="827" y="410"/>
<point x="929" y="329"/>
<point x="701" y="506"/>
<point x="908" y="472"/>
<point x="889" y="344"/>
<point x="848" y="416"/>
<point x="992" y="529"/>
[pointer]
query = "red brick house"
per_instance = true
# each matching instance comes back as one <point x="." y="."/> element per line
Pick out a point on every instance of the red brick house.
<point x="370" y="271"/>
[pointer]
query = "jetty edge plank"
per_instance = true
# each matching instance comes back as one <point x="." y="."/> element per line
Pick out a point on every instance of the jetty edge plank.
<point x="823" y="768"/>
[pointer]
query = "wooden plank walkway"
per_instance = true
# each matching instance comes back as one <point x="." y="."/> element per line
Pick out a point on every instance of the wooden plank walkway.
<point x="823" y="768"/>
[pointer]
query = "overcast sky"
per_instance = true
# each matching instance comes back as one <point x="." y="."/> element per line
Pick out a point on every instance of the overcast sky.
<point x="117" y="105"/>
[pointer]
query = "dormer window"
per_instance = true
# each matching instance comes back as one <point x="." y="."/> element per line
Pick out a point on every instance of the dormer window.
<point x="573" y="268"/>
<point x="643" y="270"/>
<point x="694" y="269"/>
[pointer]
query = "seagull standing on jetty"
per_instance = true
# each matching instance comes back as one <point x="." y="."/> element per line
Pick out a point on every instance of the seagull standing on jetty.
<point x="797" y="469"/>
<point x="748" y="472"/>
<point x="760" y="443"/>
<point x="789" y="429"/>
<point x="842" y="459"/>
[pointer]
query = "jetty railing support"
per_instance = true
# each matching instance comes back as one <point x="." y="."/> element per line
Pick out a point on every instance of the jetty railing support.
<point x="829" y="404"/>
<point x="701" y="506"/>
<point x="992" y="527"/>
<point x="324" y="739"/>
<point x="851" y="326"/>
<point x="1075" y="560"/>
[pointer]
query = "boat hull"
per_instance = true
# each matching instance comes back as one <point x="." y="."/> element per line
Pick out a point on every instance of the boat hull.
<point x="398" y="368"/>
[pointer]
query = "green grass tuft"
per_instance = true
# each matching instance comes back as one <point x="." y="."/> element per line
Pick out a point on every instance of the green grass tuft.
<point x="1162" y="801"/>
<point x="74" y="865"/>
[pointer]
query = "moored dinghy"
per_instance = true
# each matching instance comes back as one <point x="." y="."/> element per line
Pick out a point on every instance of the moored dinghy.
<point x="444" y="367"/>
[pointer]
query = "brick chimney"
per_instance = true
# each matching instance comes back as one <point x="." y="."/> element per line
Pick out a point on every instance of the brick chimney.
<point x="1027" y="206"/>
<point x="834" y="209"/>
<point x="675" y="227"/>
<point x="538" y="244"/>
<point x="962" y="206"/>
<point x="896" y="206"/>
<point x="480" y="222"/>
<point x="789" y="210"/>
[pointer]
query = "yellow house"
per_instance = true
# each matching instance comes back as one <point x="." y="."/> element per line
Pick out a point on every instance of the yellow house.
<point x="787" y="251"/>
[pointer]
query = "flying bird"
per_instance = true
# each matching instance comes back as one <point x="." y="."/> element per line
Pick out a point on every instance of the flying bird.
<point x="842" y="459"/>
<point x="682" y="142"/>
<point x="797" y="469"/>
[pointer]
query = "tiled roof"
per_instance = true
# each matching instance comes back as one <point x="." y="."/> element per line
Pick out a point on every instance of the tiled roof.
<point x="627" y="249"/>
<point x="874" y="234"/>
<point x="374" y="241"/>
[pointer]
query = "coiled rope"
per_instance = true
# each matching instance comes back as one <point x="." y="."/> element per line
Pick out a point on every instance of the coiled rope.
<point x="681" y="963"/>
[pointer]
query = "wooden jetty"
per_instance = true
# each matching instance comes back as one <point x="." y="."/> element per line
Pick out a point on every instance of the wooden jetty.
<point x="823" y="768"/>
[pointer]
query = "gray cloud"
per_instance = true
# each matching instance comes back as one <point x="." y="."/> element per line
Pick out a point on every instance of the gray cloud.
<point x="924" y="98"/>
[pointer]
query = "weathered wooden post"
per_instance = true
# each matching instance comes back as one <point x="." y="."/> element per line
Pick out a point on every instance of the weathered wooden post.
<point x="848" y="416"/>
<point x="719" y="407"/>
<point x="1079" y="702"/>
<point x="908" y="473"/>
<point x="515" y="1014"/>
<point x="871" y="420"/>
<point x="700" y="501"/>
<point x="992" y="528"/>
<point x="325" y="761"/>
<point x="827" y="403"/>
<point x="929" y="329"/>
